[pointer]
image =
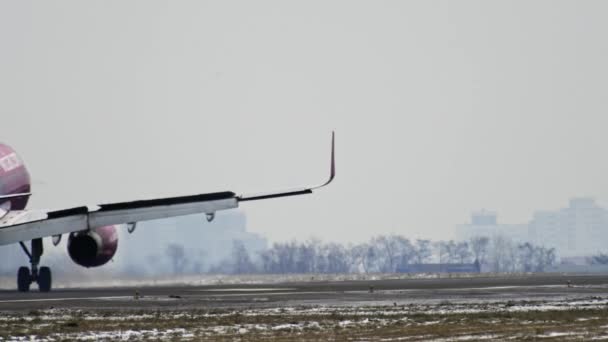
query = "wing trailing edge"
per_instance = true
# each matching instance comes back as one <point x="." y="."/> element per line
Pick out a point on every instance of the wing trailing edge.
<point x="12" y="196"/>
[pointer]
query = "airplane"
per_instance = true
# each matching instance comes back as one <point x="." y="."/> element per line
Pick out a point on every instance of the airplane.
<point x="93" y="236"/>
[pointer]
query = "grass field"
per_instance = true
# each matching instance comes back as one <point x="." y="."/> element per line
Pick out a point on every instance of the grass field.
<point x="560" y="320"/>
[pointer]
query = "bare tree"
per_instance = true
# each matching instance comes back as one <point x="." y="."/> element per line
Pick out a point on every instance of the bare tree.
<point x="479" y="248"/>
<point x="497" y="253"/>
<point x="511" y="257"/>
<point x="546" y="257"/>
<point x="386" y="252"/>
<point x="422" y="251"/>
<point x="450" y="249"/>
<point x="240" y="257"/>
<point x="177" y="256"/>
<point x="405" y="251"/>
<point x="306" y="256"/>
<point x="337" y="258"/>
<point x="441" y="250"/>
<point x="270" y="260"/>
<point x="463" y="252"/>
<point x="364" y="256"/>
<point x="527" y="257"/>
<point x="285" y="256"/>
<point x="502" y="254"/>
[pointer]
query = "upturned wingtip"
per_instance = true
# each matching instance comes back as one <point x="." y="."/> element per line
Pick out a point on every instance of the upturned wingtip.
<point x="332" y="169"/>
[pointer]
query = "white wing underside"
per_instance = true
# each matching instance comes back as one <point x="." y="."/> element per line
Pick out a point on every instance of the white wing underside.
<point x="26" y="225"/>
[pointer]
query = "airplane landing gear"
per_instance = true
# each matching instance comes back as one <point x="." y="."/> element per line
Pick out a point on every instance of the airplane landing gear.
<point x="24" y="279"/>
<point x="42" y="276"/>
<point x="44" y="279"/>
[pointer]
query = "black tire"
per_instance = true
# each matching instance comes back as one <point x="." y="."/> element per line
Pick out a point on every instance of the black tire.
<point x="24" y="279"/>
<point x="44" y="279"/>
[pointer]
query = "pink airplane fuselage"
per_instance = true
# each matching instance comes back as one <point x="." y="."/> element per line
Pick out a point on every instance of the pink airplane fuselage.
<point x="15" y="179"/>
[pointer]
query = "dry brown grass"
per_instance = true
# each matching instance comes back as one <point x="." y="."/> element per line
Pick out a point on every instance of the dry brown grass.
<point x="330" y="325"/>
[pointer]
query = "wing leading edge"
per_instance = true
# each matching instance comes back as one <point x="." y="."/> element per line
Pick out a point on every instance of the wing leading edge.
<point x="23" y="227"/>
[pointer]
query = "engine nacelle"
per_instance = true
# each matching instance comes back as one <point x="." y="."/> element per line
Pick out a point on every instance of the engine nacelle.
<point x="93" y="248"/>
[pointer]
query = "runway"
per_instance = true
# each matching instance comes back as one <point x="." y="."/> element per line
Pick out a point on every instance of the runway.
<point x="334" y="293"/>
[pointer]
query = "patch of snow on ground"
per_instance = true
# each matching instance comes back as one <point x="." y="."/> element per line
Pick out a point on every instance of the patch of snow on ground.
<point x="470" y="337"/>
<point x="559" y="334"/>
<point x="287" y="326"/>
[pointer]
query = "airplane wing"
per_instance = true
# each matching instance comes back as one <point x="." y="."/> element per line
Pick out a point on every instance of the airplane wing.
<point x="17" y="226"/>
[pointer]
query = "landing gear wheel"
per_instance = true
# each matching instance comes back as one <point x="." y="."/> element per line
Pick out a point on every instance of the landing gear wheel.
<point x="44" y="279"/>
<point x="24" y="279"/>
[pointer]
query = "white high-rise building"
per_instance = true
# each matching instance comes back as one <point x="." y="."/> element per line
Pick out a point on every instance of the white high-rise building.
<point x="578" y="230"/>
<point x="581" y="229"/>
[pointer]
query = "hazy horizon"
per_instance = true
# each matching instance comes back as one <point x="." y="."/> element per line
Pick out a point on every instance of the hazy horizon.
<point x="440" y="108"/>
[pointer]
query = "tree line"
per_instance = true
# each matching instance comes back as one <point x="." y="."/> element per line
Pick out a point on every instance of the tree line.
<point x="381" y="254"/>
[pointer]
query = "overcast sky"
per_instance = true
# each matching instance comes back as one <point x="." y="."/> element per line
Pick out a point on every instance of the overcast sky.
<point x="440" y="107"/>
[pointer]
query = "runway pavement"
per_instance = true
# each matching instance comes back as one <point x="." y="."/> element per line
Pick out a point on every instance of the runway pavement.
<point x="347" y="293"/>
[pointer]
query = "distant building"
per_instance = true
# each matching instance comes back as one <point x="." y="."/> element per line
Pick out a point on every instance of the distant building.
<point x="581" y="229"/>
<point x="205" y="244"/>
<point x="578" y="230"/>
<point x="485" y="223"/>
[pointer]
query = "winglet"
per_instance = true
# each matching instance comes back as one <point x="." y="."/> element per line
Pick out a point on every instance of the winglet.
<point x="302" y="191"/>
<point x="332" y="168"/>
